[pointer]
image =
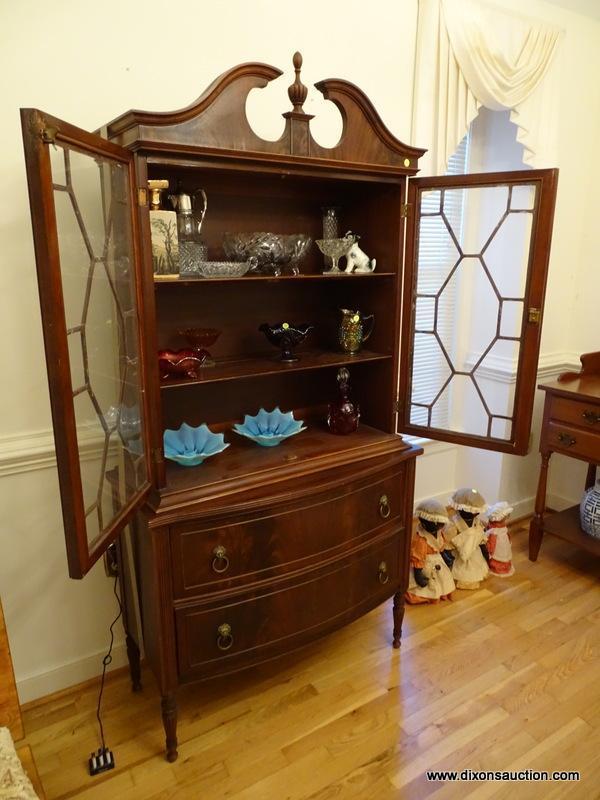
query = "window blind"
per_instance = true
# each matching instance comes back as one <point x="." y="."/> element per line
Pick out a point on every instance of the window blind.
<point x="436" y="257"/>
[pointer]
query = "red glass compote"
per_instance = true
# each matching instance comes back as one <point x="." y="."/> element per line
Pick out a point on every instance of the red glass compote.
<point x="200" y="339"/>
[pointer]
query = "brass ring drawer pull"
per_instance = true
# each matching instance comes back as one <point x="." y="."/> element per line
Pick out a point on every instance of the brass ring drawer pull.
<point x="593" y="417"/>
<point x="220" y="562"/>
<point x="224" y="636"/>
<point x="382" y="573"/>
<point x="384" y="506"/>
<point x="567" y="440"/>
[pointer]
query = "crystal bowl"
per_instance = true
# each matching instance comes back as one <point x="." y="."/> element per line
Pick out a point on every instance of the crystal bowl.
<point x="190" y="446"/>
<point x="269" y="428"/>
<point x="272" y="251"/>
<point x="224" y="269"/>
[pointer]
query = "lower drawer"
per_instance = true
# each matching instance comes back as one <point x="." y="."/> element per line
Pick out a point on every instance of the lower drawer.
<point x="252" y="629"/>
<point x="574" y="441"/>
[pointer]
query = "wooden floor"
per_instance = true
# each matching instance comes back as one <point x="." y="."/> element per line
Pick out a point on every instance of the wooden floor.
<point x="503" y="678"/>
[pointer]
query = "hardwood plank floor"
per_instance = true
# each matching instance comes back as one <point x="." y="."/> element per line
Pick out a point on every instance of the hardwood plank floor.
<point x="502" y="678"/>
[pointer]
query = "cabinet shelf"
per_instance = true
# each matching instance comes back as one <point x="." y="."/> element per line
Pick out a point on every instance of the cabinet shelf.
<point x="248" y="462"/>
<point x="565" y="524"/>
<point x="176" y="280"/>
<point x="255" y="366"/>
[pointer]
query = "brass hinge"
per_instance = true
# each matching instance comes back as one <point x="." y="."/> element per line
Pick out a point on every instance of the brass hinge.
<point x="534" y="315"/>
<point x="397" y="406"/>
<point x="142" y="196"/>
<point x="405" y="210"/>
<point x="49" y="134"/>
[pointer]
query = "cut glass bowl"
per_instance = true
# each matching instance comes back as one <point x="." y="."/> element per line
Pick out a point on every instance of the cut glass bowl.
<point x="189" y="446"/>
<point x="269" y="428"/>
<point x="271" y="251"/>
<point x="223" y="269"/>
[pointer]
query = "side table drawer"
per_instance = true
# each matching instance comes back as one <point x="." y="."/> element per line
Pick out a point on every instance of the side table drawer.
<point x="574" y="441"/>
<point x="307" y="533"/>
<point x="585" y="415"/>
<point x="251" y="629"/>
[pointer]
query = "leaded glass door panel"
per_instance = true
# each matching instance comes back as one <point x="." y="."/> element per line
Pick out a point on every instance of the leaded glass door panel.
<point x="86" y="243"/>
<point x="476" y="266"/>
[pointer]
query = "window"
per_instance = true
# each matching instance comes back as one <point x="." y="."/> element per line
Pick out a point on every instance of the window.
<point x="436" y="256"/>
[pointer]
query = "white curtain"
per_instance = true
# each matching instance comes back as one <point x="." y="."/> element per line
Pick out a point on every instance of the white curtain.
<point x="471" y="54"/>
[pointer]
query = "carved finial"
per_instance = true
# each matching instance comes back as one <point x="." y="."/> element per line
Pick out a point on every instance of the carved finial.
<point x="297" y="91"/>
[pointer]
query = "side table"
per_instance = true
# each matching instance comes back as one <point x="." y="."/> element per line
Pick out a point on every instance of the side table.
<point x="571" y="426"/>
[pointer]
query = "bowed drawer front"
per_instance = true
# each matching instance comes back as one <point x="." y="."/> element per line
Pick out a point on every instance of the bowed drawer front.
<point x="283" y="538"/>
<point x="251" y="629"/>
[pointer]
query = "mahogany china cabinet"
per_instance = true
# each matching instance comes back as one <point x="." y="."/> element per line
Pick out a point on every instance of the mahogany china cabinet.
<point x="260" y="550"/>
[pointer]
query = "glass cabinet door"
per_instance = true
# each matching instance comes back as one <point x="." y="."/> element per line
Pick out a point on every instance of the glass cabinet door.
<point x="82" y="191"/>
<point x="475" y="277"/>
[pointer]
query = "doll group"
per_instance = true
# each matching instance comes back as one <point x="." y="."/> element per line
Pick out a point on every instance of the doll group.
<point x="458" y="551"/>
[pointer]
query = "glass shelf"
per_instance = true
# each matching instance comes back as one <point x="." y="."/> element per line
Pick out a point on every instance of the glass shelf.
<point x="255" y="366"/>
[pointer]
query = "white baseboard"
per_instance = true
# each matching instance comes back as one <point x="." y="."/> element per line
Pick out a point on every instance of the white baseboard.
<point x="70" y="674"/>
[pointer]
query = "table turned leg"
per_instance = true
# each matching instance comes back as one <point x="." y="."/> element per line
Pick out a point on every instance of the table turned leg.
<point x="590" y="479"/>
<point x="536" y="527"/>
<point x="168" y="707"/>
<point x="398" y="617"/>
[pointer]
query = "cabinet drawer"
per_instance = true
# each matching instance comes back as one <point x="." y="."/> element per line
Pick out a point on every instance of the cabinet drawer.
<point x="254" y="628"/>
<point x="574" y="441"/>
<point x="299" y="535"/>
<point x="585" y="415"/>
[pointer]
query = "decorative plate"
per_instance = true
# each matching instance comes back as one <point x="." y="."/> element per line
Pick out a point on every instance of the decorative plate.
<point x="190" y="446"/>
<point x="269" y="428"/>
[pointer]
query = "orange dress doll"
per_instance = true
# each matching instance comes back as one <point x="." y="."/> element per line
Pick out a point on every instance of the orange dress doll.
<point x="430" y="578"/>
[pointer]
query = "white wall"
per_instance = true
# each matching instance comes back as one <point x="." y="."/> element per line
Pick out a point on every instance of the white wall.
<point x="87" y="64"/>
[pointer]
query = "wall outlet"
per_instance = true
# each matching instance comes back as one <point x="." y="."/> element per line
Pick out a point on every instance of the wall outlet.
<point x="111" y="564"/>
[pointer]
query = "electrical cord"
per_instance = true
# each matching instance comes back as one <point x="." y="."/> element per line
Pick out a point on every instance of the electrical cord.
<point x="104" y="758"/>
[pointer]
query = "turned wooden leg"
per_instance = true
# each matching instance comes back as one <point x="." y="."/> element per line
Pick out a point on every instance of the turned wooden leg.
<point x="398" y="617"/>
<point x="168" y="707"/>
<point x="133" y="656"/>
<point x="590" y="479"/>
<point x="536" y="527"/>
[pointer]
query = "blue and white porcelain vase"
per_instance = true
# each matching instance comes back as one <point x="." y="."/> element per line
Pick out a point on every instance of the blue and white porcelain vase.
<point x="589" y="510"/>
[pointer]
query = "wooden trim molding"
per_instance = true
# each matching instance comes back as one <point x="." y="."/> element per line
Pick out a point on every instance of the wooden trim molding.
<point x="33" y="450"/>
<point x="504" y="370"/>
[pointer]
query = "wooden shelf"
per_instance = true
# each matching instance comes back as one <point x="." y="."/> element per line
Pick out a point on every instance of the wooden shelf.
<point x="233" y="370"/>
<point x="175" y="280"/>
<point x="565" y="525"/>
<point x="246" y="461"/>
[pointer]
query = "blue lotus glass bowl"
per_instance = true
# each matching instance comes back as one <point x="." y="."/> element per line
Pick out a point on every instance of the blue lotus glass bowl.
<point x="190" y="446"/>
<point x="269" y="428"/>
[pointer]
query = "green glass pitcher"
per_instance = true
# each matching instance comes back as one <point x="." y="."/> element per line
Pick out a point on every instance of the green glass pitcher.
<point x="354" y="329"/>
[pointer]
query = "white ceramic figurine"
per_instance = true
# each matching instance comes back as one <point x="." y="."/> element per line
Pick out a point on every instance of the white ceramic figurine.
<point x="357" y="260"/>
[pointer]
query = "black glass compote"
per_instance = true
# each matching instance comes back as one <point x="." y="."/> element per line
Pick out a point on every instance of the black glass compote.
<point x="286" y="336"/>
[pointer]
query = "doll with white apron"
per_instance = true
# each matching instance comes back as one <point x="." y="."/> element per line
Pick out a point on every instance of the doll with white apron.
<point x="430" y="577"/>
<point x="498" y="539"/>
<point x="468" y="539"/>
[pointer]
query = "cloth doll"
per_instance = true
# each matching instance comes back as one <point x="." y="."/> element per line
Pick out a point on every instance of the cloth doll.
<point x="499" y="547"/>
<point x="467" y="538"/>
<point x="430" y="559"/>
